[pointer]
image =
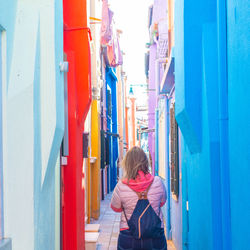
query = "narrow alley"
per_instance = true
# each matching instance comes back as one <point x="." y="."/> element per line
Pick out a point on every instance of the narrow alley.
<point x="83" y="83"/>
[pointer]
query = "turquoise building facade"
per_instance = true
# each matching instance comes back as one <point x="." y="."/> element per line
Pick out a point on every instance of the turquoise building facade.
<point x="238" y="64"/>
<point x="211" y="99"/>
<point x="206" y="81"/>
<point x="31" y="123"/>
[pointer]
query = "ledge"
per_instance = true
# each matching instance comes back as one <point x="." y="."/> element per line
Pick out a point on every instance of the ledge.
<point x="92" y="159"/>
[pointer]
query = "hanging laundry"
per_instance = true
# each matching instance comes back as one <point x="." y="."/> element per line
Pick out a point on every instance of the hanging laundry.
<point x="154" y="34"/>
<point x="114" y="52"/>
<point x="106" y="27"/>
<point x="111" y="54"/>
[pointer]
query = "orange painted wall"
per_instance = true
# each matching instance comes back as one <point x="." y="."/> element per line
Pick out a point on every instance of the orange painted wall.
<point x="126" y="112"/>
<point x="120" y="112"/>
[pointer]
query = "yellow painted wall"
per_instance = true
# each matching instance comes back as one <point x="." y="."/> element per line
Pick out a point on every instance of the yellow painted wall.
<point x="95" y="167"/>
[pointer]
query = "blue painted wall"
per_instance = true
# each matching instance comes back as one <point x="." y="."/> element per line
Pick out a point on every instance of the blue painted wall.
<point x="7" y="21"/>
<point x="212" y="99"/>
<point x="114" y="130"/>
<point x="196" y="84"/>
<point x="238" y="48"/>
<point x="112" y="124"/>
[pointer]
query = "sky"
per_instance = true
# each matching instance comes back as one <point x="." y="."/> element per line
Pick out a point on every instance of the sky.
<point x="131" y="16"/>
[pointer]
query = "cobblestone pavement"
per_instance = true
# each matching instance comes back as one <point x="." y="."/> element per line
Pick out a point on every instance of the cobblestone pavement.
<point x="109" y="227"/>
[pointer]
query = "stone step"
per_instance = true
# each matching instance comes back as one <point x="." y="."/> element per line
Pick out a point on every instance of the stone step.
<point x="91" y="240"/>
<point x="92" y="227"/>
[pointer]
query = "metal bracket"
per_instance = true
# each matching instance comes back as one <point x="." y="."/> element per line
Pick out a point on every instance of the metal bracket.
<point x="64" y="161"/>
<point x="64" y="66"/>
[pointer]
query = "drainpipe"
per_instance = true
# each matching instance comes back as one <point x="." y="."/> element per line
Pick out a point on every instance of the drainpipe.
<point x="104" y="117"/>
<point x="156" y="141"/>
<point x="167" y="173"/>
<point x="223" y="122"/>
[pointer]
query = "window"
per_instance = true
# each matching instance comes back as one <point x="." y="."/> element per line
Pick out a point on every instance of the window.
<point x="174" y="157"/>
<point x="103" y="149"/>
<point x="109" y="104"/>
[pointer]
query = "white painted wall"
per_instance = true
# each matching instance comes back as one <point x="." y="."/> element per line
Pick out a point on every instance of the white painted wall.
<point x="34" y="25"/>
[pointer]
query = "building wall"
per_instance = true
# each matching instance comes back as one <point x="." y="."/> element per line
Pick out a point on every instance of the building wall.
<point x="163" y="14"/>
<point x="196" y="84"/>
<point x="120" y="113"/>
<point x="95" y="12"/>
<point x="211" y="55"/>
<point x="33" y="121"/>
<point x="77" y="49"/>
<point x="152" y="103"/>
<point x="158" y="54"/>
<point x="238" y="40"/>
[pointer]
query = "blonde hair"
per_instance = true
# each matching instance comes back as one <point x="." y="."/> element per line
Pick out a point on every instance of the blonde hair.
<point x="134" y="161"/>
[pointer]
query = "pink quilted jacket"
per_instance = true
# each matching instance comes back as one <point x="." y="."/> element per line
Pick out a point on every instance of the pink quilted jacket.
<point x="124" y="196"/>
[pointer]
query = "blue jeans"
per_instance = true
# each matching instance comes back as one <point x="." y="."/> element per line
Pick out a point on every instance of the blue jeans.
<point x="127" y="242"/>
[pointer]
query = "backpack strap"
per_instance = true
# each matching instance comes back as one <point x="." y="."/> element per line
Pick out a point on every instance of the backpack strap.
<point x="141" y="196"/>
<point x="144" y="194"/>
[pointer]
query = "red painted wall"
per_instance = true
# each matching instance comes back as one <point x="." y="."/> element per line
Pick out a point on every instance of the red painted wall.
<point x="76" y="47"/>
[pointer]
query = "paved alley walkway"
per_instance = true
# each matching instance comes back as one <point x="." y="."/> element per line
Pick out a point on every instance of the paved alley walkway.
<point x="109" y="227"/>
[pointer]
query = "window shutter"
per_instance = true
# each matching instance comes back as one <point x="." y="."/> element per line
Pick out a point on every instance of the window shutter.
<point x="85" y="141"/>
<point x="109" y="101"/>
<point x="102" y="149"/>
<point x="174" y="148"/>
<point x="107" y="151"/>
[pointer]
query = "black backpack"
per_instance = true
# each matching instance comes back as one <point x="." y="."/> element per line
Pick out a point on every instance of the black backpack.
<point x="144" y="222"/>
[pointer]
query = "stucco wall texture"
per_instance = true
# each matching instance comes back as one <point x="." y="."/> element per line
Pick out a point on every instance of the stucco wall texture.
<point x="33" y="122"/>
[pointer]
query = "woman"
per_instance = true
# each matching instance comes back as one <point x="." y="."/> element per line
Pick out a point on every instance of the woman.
<point x="139" y="190"/>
